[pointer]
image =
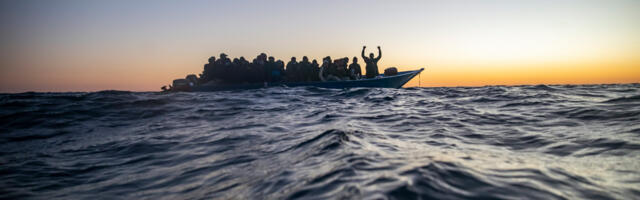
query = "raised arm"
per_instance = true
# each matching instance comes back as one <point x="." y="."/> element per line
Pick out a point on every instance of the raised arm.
<point x="379" y="54"/>
<point x="362" y="54"/>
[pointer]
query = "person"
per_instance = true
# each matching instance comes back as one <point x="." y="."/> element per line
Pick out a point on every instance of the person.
<point x="278" y="73"/>
<point x="207" y="73"/>
<point x="327" y="70"/>
<point x="292" y="70"/>
<point x="372" y="63"/>
<point x="333" y="67"/>
<point x="270" y="68"/>
<point x="221" y="68"/>
<point x="244" y="70"/>
<point x="343" y="72"/>
<point x="258" y="69"/>
<point x="274" y="69"/>
<point x="234" y="71"/>
<point x="243" y="60"/>
<point x="304" y="70"/>
<point x="354" y="69"/>
<point x="315" y="69"/>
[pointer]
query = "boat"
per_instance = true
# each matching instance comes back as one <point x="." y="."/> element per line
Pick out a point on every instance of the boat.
<point x="382" y="81"/>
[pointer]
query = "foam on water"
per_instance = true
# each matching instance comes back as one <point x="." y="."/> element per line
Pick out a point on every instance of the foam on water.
<point x="522" y="142"/>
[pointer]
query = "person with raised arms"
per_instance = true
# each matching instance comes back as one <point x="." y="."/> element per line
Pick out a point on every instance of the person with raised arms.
<point x="372" y="63"/>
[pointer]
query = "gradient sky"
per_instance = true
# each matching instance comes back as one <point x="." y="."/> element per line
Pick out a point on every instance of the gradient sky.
<point x="89" y="45"/>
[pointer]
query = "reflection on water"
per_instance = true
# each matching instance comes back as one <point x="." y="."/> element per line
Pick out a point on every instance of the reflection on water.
<point x="525" y="142"/>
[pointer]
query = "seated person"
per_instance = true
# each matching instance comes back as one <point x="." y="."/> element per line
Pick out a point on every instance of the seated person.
<point x="304" y="70"/>
<point x="326" y="70"/>
<point x="341" y="68"/>
<point x="315" y="68"/>
<point x="292" y="70"/>
<point x="354" y="69"/>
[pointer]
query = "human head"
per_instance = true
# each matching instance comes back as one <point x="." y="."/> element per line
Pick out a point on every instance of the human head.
<point x="355" y="59"/>
<point x="305" y="59"/>
<point x="212" y="59"/>
<point x="346" y="60"/>
<point x="314" y="61"/>
<point x="371" y="55"/>
<point x="272" y="59"/>
<point x="222" y="55"/>
<point x="293" y="59"/>
<point x="326" y="59"/>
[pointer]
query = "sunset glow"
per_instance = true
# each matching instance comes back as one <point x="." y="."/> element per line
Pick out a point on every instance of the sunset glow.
<point x="142" y="45"/>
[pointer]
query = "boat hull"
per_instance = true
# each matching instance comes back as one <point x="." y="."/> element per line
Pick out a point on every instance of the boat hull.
<point x="395" y="81"/>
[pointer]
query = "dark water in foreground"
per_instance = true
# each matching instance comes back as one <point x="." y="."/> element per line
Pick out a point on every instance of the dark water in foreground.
<point x="527" y="142"/>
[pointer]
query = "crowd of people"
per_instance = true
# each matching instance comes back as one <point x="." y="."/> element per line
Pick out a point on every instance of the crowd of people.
<point x="268" y="69"/>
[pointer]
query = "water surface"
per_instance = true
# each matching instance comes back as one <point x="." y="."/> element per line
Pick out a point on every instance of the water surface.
<point x="521" y="142"/>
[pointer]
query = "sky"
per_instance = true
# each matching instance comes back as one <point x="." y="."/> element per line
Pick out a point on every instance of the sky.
<point x="140" y="45"/>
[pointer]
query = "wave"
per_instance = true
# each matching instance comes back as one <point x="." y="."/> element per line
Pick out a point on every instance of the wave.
<point x="630" y="99"/>
<point x="494" y="142"/>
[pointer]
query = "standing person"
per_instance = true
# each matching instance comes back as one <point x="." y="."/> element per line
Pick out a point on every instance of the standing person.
<point x="372" y="63"/>
<point x="354" y="69"/>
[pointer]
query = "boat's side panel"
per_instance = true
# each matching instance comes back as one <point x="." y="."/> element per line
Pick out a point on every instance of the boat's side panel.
<point x="209" y="88"/>
<point x="395" y="81"/>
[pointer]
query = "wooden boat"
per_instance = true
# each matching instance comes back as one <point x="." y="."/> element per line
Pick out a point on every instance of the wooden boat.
<point x="382" y="81"/>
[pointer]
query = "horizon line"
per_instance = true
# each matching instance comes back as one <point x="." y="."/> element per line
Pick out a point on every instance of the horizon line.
<point x="459" y="86"/>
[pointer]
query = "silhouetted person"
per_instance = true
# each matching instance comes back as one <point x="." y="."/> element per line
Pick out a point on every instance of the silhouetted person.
<point x="326" y="70"/>
<point x="292" y="70"/>
<point x="372" y="63"/>
<point x="233" y="71"/>
<point x="304" y="70"/>
<point x="278" y="73"/>
<point x="341" y="68"/>
<point x="333" y="68"/>
<point x="207" y="74"/>
<point x="315" y="69"/>
<point x="354" y="69"/>
<point x="269" y="67"/>
<point x="345" y="69"/>
<point x="221" y="67"/>
<point x="258" y="72"/>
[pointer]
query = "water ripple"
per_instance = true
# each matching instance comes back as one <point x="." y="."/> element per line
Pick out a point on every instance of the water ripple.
<point x="494" y="142"/>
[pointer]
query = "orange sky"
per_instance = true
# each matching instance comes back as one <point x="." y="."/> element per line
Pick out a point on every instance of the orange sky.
<point x="142" y="45"/>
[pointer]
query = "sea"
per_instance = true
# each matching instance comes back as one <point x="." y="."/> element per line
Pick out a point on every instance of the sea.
<point x="493" y="142"/>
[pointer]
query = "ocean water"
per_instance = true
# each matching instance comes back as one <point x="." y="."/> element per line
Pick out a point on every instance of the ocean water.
<point x="498" y="142"/>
